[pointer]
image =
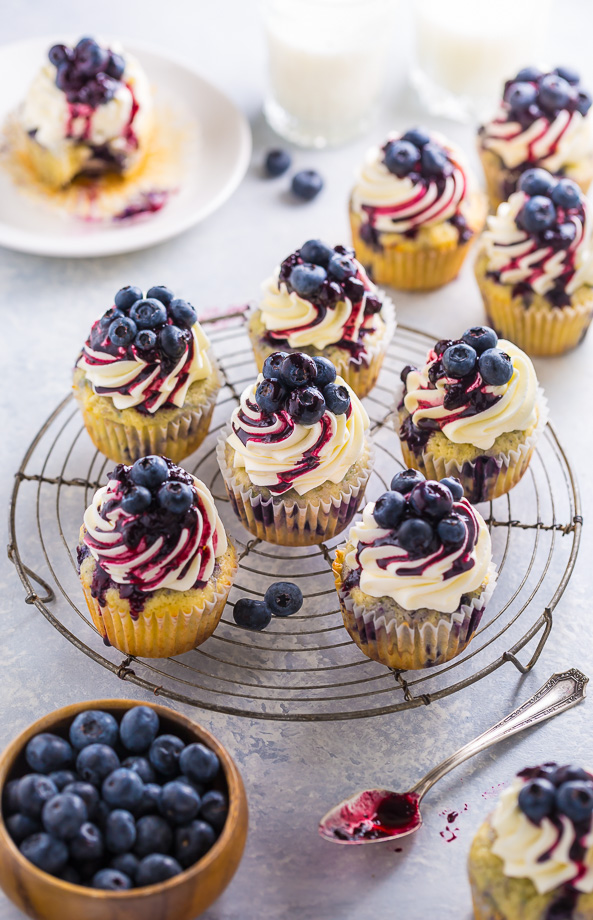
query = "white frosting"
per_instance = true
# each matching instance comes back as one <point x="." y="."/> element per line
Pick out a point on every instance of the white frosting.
<point x="265" y="462"/>
<point x="430" y="589"/>
<point x="514" y="411"/>
<point x="565" y="140"/>
<point x="520" y="844"/>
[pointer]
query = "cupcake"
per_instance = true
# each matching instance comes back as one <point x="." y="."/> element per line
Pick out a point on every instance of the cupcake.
<point x="414" y="211"/>
<point x="533" y="856"/>
<point x="88" y="111"/>
<point x="474" y="411"/>
<point x="297" y="455"/>
<point x="543" y="120"/>
<point x="416" y="573"/>
<point x="321" y="301"/>
<point x="146" y="380"/>
<point x="535" y="265"/>
<point x="155" y="563"/>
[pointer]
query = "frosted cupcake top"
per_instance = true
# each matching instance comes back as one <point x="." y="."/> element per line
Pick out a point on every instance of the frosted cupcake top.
<point x="154" y="526"/>
<point x="146" y="351"/>
<point x="298" y="426"/>
<point x="321" y="296"/>
<point x="538" y="240"/>
<point x="542" y="824"/>
<point x="473" y="389"/>
<point x="421" y="544"/>
<point x="415" y="180"/>
<point x="99" y="96"/>
<point x="542" y="120"/>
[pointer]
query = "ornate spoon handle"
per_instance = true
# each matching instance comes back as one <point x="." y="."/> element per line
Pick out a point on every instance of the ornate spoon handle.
<point x="559" y="693"/>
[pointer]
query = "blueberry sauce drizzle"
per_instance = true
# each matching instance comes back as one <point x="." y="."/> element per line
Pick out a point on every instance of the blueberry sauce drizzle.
<point x="376" y="816"/>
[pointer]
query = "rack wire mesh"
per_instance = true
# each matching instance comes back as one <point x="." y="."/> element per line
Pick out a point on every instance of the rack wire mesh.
<point x="304" y="667"/>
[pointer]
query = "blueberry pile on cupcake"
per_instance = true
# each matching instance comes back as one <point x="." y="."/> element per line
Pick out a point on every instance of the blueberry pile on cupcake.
<point x="87" y="73"/>
<point x="301" y="386"/>
<point x="114" y="804"/>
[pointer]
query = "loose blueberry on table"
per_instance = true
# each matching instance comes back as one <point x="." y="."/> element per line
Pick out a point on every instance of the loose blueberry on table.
<point x="277" y="162"/>
<point x="306" y="184"/>
<point x="107" y="827"/>
<point x="282" y="599"/>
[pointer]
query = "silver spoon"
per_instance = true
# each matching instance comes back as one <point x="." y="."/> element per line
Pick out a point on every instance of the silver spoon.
<point x="378" y="814"/>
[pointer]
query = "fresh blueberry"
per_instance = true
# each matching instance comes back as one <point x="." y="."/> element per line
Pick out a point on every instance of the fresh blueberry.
<point x="145" y="340"/>
<point x="91" y="60"/>
<point x="459" y="360"/>
<point x="149" y="472"/>
<point x="575" y="800"/>
<point x="95" y="762"/>
<point x="172" y="340"/>
<point x="115" y="68"/>
<point x="10" y="797"/>
<point x="272" y="365"/>
<point x="46" y="752"/>
<point x="164" y="754"/>
<point x="569" y="74"/>
<point x="101" y="814"/>
<point x="179" y="802"/>
<point x="93" y="727"/>
<point x="127" y="296"/>
<point x="176" y="497"/>
<point x="142" y="767"/>
<point x="326" y="372"/>
<point x="85" y="791"/>
<point x="536" y="182"/>
<point x="182" y="312"/>
<point x="277" y="162"/>
<point x="405" y="480"/>
<point x="401" y="157"/>
<point x="480" y="338"/>
<point x="495" y="367"/>
<point x="431" y="499"/>
<point x="45" y="852"/>
<point x="417" y="136"/>
<point x="529" y="74"/>
<point x="251" y="614"/>
<point x="567" y="194"/>
<point x="87" y="843"/>
<point x="568" y="773"/>
<point x="337" y="398"/>
<point x="153" y="835"/>
<point x="554" y="92"/>
<point x="160" y="292"/>
<point x="21" y="826"/>
<point x="199" y="763"/>
<point x="215" y="809"/>
<point x="33" y="792"/>
<point x="341" y="267"/>
<point x="156" y="868"/>
<point x="270" y="396"/>
<point x="307" y="279"/>
<point x="306" y="184"/>
<point x="454" y="487"/>
<point x="149" y="802"/>
<point x="63" y="815"/>
<point x="148" y="313"/>
<point x="122" y="331"/>
<point x="521" y="95"/>
<point x="298" y="370"/>
<point x="283" y="598"/>
<point x="415" y="535"/>
<point x="537" y="214"/>
<point x="126" y="863"/>
<point x="317" y="252"/>
<point x="306" y="405"/>
<point x="111" y="880"/>
<point x="536" y="799"/>
<point x="434" y="160"/>
<point x="64" y="77"/>
<point x="59" y="54"/>
<point x="139" y="727"/>
<point x="452" y="530"/>
<point x="192" y="842"/>
<point x="389" y="510"/>
<point x="122" y="789"/>
<point x="63" y="777"/>
<point x="120" y="831"/>
<point x="136" y="500"/>
<point x="583" y="101"/>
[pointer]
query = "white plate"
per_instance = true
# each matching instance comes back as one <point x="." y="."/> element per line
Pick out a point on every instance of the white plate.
<point x="223" y="153"/>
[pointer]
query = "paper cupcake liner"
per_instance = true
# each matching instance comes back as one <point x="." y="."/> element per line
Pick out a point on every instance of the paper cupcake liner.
<point x="293" y="522"/>
<point x="486" y="477"/>
<point x="410" y="269"/>
<point x="161" y="636"/>
<point x="412" y="645"/>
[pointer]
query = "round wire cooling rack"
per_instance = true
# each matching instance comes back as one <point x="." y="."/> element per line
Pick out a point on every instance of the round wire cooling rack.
<point x="304" y="667"/>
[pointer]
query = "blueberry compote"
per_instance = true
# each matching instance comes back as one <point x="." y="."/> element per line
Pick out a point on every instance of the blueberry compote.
<point x="534" y="94"/>
<point x="373" y="815"/>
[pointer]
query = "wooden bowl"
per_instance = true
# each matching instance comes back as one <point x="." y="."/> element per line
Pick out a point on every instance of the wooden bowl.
<point x="183" y="897"/>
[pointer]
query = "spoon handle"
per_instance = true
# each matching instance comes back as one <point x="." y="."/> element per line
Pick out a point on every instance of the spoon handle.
<point x="560" y="692"/>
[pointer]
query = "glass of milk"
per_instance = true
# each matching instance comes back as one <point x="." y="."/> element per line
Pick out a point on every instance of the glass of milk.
<point x="327" y="62"/>
<point x="466" y="49"/>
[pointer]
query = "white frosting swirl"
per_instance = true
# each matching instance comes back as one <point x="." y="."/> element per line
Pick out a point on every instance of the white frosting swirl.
<point x="278" y="453"/>
<point x="395" y="205"/>
<point x="190" y="561"/>
<point x="515" y="410"/>
<point x="522" y="845"/>
<point x="387" y="571"/>
<point x="564" y="140"/>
